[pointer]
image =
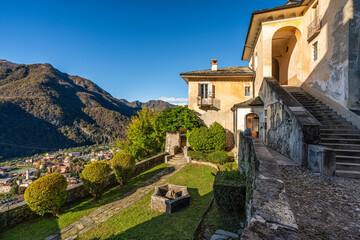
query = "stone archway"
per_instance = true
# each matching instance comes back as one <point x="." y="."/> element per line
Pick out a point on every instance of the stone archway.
<point x="286" y="55"/>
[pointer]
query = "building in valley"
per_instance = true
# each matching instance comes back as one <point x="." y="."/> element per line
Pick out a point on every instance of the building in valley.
<point x="304" y="84"/>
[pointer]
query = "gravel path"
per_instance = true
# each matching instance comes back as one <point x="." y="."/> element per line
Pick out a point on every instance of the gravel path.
<point x="324" y="207"/>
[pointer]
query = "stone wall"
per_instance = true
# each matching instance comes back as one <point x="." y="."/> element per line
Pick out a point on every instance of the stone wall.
<point x="19" y="213"/>
<point x="289" y="126"/>
<point x="268" y="212"/>
<point x="172" y="142"/>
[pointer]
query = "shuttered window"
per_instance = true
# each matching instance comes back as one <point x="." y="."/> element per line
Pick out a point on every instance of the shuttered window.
<point x="315" y="51"/>
<point x="206" y="90"/>
<point x="247" y="91"/>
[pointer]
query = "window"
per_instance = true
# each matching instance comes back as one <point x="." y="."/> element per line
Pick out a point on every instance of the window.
<point x="204" y="90"/>
<point x="247" y="91"/>
<point x="206" y="94"/>
<point x="256" y="62"/>
<point x="316" y="11"/>
<point x="315" y="52"/>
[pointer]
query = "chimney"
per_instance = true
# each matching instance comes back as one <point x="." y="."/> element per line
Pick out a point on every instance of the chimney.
<point x="214" y="64"/>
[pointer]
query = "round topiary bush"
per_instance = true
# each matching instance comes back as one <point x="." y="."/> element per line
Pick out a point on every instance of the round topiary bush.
<point x="95" y="177"/>
<point x="123" y="165"/>
<point x="47" y="194"/>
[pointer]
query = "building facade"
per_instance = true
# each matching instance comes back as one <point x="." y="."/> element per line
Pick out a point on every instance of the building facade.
<point x="304" y="83"/>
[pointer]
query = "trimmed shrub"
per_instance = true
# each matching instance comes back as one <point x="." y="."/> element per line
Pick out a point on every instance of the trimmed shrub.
<point x="95" y="177"/>
<point x="230" y="166"/>
<point x="230" y="192"/>
<point x="218" y="137"/>
<point x="123" y="165"/>
<point x="47" y="194"/>
<point x="220" y="157"/>
<point x="196" y="155"/>
<point x="208" y="139"/>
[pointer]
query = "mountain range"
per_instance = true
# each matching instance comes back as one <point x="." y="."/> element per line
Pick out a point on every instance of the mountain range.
<point x="43" y="109"/>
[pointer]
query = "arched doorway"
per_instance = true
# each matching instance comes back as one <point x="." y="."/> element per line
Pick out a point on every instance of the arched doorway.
<point x="252" y="122"/>
<point x="286" y="55"/>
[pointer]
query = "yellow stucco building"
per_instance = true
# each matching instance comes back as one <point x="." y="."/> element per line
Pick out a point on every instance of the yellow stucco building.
<point x="303" y="76"/>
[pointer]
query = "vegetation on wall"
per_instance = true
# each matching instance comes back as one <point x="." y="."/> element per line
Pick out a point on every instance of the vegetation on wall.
<point x="95" y="177"/>
<point x="172" y="119"/>
<point x="47" y="194"/>
<point x="208" y="139"/>
<point x="123" y="165"/>
<point x="144" y="137"/>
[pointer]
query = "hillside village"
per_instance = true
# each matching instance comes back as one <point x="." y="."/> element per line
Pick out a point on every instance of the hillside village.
<point x="20" y="175"/>
<point x="265" y="151"/>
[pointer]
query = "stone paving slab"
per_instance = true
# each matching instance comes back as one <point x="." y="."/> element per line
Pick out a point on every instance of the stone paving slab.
<point x="324" y="207"/>
<point x="105" y="212"/>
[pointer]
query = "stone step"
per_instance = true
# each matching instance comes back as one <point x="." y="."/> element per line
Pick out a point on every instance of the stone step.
<point x="347" y="152"/>
<point x="348" y="166"/>
<point x="339" y="131"/>
<point x="347" y="173"/>
<point x="177" y="162"/>
<point x="334" y="123"/>
<point x="339" y="140"/>
<point x="340" y="127"/>
<point x="322" y="114"/>
<point x="342" y="146"/>
<point x="339" y="135"/>
<point x="348" y="159"/>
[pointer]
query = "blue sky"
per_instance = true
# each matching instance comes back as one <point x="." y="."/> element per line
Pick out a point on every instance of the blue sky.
<point x="133" y="49"/>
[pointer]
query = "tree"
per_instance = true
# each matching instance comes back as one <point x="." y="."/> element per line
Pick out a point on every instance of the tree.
<point x="14" y="190"/>
<point x="47" y="194"/>
<point x="95" y="177"/>
<point x="124" y="166"/>
<point x="37" y="174"/>
<point x="171" y="119"/>
<point x="144" y="137"/>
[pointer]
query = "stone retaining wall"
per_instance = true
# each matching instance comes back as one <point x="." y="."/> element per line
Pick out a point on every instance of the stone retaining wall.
<point x="268" y="211"/>
<point x="290" y="128"/>
<point x="18" y="213"/>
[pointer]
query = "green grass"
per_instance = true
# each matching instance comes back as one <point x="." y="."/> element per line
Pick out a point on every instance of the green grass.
<point x="215" y="220"/>
<point x="140" y="222"/>
<point x="42" y="227"/>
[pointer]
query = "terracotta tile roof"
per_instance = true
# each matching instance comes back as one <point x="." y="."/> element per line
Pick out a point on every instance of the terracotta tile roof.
<point x="249" y="103"/>
<point x="228" y="71"/>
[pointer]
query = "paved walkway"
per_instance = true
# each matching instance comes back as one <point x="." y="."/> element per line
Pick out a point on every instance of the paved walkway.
<point x="105" y="212"/>
<point x="324" y="207"/>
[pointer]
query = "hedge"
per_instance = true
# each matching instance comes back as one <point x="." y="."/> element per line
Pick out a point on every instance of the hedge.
<point x="230" y="192"/>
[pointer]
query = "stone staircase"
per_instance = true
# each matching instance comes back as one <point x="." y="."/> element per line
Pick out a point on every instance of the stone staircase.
<point x="336" y="133"/>
<point x="177" y="159"/>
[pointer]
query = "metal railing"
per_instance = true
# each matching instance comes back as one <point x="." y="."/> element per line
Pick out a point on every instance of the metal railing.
<point x="205" y="102"/>
<point x="314" y="28"/>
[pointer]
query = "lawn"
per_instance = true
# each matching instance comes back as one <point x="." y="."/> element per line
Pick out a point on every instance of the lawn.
<point x="216" y="220"/>
<point x="42" y="227"/>
<point x="140" y="222"/>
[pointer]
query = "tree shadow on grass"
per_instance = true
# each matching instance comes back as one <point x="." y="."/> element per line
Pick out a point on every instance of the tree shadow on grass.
<point x="117" y="192"/>
<point x="41" y="227"/>
<point x="179" y="225"/>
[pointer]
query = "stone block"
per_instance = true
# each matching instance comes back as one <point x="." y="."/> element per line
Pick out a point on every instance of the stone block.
<point x="227" y="233"/>
<point x="321" y="159"/>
